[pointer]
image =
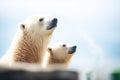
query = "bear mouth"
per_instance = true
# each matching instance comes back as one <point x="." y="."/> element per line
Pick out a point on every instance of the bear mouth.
<point x="52" y="24"/>
<point x="72" y="50"/>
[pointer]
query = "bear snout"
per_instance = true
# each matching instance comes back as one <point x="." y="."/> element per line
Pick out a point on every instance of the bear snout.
<point x="72" y="50"/>
<point x="52" y="24"/>
<point x="74" y="47"/>
<point x="54" y="20"/>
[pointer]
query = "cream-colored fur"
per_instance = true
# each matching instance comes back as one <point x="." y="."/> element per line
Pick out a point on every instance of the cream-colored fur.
<point x="30" y="41"/>
<point x="58" y="54"/>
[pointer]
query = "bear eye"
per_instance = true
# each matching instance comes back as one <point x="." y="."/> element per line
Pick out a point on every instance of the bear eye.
<point x="41" y="19"/>
<point x="63" y="45"/>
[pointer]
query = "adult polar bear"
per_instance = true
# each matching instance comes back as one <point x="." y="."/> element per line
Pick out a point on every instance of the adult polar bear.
<point x="31" y="40"/>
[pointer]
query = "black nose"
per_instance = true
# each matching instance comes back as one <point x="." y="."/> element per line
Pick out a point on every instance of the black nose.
<point x="72" y="50"/>
<point x="74" y="47"/>
<point x="52" y="24"/>
<point x="54" y="20"/>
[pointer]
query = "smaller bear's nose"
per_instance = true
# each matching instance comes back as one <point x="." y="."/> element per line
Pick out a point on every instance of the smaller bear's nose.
<point x="54" y="20"/>
<point x="72" y="50"/>
<point x="74" y="47"/>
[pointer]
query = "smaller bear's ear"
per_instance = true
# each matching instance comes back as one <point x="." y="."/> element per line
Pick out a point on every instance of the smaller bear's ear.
<point x="22" y="26"/>
<point x="50" y="51"/>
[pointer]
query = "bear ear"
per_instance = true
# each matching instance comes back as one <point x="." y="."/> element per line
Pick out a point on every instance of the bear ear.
<point x="22" y="26"/>
<point x="50" y="51"/>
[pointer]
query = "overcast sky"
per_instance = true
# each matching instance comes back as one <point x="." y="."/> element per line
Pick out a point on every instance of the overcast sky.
<point x="92" y="25"/>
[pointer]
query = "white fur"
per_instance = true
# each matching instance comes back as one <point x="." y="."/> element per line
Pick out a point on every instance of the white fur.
<point x="45" y="59"/>
<point x="36" y="29"/>
<point x="58" y="51"/>
<point x="61" y="52"/>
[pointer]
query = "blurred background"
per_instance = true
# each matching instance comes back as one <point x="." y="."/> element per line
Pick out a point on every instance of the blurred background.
<point x="92" y="25"/>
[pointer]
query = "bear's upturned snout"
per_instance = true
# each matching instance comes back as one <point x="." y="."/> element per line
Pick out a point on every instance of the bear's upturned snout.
<point x="52" y="24"/>
<point x="74" y="47"/>
<point x="54" y="20"/>
<point x="72" y="50"/>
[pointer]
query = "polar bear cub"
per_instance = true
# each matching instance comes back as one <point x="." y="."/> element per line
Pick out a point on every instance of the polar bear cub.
<point x="59" y="54"/>
<point x="31" y="40"/>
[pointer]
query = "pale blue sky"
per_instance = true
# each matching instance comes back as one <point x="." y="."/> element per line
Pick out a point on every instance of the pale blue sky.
<point x="93" y="25"/>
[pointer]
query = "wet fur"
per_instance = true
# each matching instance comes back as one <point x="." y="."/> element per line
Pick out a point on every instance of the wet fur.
<point x="27" y="50"/>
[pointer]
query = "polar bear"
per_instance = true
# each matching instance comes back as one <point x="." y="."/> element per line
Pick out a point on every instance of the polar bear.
<point x="31" y="40"/>
<point x="59" y="54"/>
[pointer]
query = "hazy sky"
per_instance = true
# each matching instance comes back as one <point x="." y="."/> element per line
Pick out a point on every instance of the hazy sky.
<point x="92" y="25"/>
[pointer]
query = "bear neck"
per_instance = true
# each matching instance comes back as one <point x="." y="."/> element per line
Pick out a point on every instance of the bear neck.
<point x="30" y="49"/>
<point x="53" y="60"/>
